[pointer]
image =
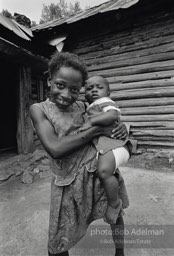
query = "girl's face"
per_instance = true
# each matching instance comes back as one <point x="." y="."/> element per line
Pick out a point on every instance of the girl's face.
<point x="65" y="86"/>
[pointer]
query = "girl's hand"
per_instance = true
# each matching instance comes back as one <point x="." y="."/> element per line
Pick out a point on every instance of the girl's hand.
<point x="120" y="131"/>
<point x="85" y="127"/>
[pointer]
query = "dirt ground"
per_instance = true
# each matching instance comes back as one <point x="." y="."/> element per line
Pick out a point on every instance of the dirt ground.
<point x="24" y="210"/>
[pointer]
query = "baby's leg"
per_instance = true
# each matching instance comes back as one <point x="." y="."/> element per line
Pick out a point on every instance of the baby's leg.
<point x="121" y="155"/>
<point x="106" y="169"/>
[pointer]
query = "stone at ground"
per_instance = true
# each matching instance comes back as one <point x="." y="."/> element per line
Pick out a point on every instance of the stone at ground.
<point x="26" y="164"/>
<point x="27" y="177"/>
<point x="24" y="211"/>
<point x="44" y="174"/>
<point x="161" y="161"/>
<point x="38" y="163"/>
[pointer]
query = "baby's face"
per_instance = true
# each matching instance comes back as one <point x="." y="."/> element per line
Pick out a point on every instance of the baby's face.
<point x="96" y="88"/>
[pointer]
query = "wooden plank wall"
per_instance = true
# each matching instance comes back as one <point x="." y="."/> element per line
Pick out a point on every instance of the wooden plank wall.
<point x="24" y="128"/>
<point x="139" y="64"/>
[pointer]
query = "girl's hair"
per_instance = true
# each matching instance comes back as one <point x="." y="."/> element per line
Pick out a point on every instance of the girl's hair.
<point x="66" y="59"/>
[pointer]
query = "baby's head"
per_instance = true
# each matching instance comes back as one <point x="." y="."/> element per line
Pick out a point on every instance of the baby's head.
<point x="96" y="87"/>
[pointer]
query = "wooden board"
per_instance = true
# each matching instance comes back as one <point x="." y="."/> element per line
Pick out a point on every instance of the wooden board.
<point x="24" y="129"/>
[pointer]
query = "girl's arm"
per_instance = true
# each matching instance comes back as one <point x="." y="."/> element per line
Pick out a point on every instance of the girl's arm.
<point x="105" y="118"/>
<point x="101" y="119"/>
<point x="59" y="147"/>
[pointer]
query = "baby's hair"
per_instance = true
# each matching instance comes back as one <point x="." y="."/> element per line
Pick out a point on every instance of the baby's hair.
<point x="104" y="79"/>
<point x="66" y="59"/>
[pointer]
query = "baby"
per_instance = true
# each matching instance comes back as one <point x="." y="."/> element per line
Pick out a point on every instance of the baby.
<point x="111" y="153"/>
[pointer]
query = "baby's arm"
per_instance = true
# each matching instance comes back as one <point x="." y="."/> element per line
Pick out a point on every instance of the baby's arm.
<point x="103" y="119"/>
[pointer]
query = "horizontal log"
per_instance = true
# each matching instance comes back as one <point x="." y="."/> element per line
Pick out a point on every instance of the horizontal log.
<point x="156" y="143"/>
<point x="136" y="69"/>
<point x="143" y="93"/>
<point x="151" y="51"/>
<point x="130" y="46"/>
<point x="143" y="118"/>
<point x="137" y="62"/>
<point x="148" y="138"/>
<point x="126" y="38"/>
<point x="161" y="101"/>
<point x="142" y="84"/>
<point x="161" y="133"/>
<point x="123" y="43"/>
<point x="118" y="49"/>
<point x="139" y="29"/>
<point x="158" y="125"/>
<point x="148" y="110"/>
<point x="128" y="49"/>
<point x="140" y="77"/>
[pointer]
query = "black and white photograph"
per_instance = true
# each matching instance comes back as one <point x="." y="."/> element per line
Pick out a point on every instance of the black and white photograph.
<point x="86" y="85"/>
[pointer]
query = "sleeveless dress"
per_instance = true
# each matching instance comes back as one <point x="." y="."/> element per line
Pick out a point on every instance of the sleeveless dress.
<point x="77" y="196"/>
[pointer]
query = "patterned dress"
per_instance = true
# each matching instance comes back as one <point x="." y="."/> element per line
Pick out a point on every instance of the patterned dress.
<point x="77" y="196"/>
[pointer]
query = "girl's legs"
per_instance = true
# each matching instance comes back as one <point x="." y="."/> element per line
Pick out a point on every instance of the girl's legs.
<point x="59" y="254"/>
<point x="106" y="168"/>
<point x="118" y="236"/>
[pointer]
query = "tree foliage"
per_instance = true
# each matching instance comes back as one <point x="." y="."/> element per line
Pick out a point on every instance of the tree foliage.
<point x="74" y="8"/>
<point x="58" y="10"/>
<point x="6" y="13"/>
<point x="17" y="17"/>
<point x="33" y="23"/>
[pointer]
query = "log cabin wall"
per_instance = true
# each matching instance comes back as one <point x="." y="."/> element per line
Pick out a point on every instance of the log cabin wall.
<point x="137" y="58"/>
